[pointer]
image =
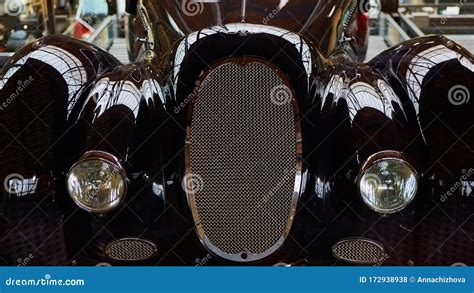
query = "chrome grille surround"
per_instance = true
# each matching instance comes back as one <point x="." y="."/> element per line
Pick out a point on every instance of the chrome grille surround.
<point x="243" y="160"/>
<point x="130" y="249"/>
<point x="358" y="251"/>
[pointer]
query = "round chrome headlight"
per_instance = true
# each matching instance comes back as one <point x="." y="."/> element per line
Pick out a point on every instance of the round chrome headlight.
<point x="387" y="183"/>
<point x="97" y="182"/>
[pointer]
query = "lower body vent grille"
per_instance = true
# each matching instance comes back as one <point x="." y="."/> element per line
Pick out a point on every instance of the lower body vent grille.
<point x="359" y="251"/>
<point x="130" y="249"/>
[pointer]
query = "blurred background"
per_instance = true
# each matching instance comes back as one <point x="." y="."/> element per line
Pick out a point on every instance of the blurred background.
<point x="96" y="21"/>
<point x="101" y="22"/>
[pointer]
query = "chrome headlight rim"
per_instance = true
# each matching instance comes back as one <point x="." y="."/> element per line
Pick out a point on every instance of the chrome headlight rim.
<point x="109" y="159"/>
<point x="387" y="155"/>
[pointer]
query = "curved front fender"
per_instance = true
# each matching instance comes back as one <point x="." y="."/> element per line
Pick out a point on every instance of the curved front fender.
<point x="42" y="92"/>
<point x="437" y="75"/>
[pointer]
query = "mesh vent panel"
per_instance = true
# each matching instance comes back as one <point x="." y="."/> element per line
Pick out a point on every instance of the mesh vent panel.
<point x="243" y="151"/>
<point x="362" y="251"/>
<point x="130" y="250"/>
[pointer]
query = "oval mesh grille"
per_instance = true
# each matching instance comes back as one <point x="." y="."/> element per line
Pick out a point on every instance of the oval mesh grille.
<point x="243" y="160"/>
<point x="130" y="249"/>
<point x="358" y="250"/>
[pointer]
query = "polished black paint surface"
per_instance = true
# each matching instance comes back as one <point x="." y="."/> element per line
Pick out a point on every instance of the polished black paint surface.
<point x="138" y="113"/>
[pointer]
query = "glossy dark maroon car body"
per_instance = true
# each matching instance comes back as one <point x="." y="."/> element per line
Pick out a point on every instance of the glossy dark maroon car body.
<point x="61" y="98"/>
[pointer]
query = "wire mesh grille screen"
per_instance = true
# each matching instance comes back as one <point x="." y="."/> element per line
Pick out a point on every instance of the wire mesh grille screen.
<point x="243" y="157"/>
<point x="361" y="251"/>
<point x="130" y="250"/>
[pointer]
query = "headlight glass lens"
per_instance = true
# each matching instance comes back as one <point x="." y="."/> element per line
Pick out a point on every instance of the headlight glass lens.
<point x="96" y="185"/>
<point x="388" y="185"/>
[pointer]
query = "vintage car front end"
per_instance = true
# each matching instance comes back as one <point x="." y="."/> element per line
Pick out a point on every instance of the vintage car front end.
<point x="239" y="143"/>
